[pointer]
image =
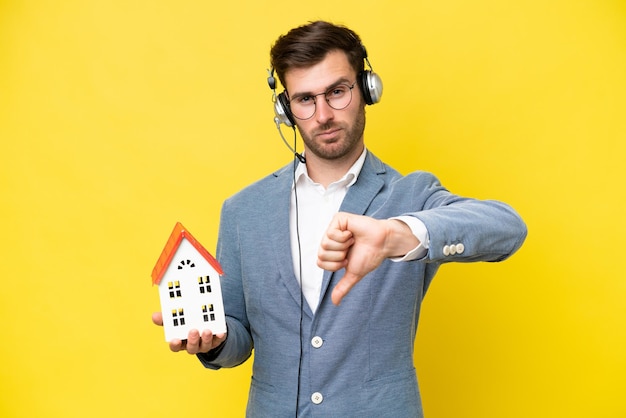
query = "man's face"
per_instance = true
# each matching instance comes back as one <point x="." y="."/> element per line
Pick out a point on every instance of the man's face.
<point x="330" y="134"/>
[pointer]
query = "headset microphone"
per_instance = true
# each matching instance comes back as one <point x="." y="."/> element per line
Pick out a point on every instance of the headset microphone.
<point x="299" y="156"/>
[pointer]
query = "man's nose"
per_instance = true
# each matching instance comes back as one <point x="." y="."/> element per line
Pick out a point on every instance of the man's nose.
<point x="324" y="112"/>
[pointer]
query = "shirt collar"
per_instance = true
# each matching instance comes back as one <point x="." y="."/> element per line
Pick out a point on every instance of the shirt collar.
<point x="347" y="180"/>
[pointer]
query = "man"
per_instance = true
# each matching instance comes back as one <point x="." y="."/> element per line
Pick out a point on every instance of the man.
<point x="327" y="262"/>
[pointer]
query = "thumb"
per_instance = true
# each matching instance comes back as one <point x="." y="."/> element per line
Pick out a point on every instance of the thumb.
<point x="157" y="318"/>
<point x="343" y="287"/>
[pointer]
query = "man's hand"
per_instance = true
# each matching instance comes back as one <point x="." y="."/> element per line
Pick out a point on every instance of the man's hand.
<point x="360" y="244"/>
<point x="195" y="343"/>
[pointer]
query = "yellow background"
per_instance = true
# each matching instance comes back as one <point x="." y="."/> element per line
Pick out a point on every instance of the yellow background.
<point x="119" y="118"/>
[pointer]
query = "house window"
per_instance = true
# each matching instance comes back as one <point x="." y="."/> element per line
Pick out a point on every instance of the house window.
<point x="178" y="317"/>
<point x="174" y="289"/>
<point x="208" y="313"/>
<point x="205" y="284"/>
<point x="185" y="263"/>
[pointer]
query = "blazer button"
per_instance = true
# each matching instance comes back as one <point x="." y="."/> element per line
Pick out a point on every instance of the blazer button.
<point x="317" y="342"/>
<point x="446" y="250"/>
<point x="317" y="398"/>
<point x="460" y="248"/>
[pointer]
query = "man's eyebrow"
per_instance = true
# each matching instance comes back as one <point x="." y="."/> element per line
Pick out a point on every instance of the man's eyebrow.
<point x="342" y="80"/>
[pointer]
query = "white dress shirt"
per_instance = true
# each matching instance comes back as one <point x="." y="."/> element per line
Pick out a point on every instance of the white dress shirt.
<point x="310" y="216"/>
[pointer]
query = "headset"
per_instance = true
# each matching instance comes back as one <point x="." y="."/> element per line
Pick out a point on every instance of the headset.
<point x="369" y="82"/>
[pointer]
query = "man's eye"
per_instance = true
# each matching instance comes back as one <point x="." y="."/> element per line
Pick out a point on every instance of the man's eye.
<point x="336" y="92"/>
<point x="304" y="100"/>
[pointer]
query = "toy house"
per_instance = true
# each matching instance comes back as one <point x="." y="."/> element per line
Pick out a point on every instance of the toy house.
<point x="189" y="287"/>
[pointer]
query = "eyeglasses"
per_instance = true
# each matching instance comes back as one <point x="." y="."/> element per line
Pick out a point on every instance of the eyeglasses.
<point x="338" y="97"/>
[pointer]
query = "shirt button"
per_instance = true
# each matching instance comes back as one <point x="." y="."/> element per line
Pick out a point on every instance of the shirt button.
<point x="317" y="342"/>
<point x="317" y="398"/>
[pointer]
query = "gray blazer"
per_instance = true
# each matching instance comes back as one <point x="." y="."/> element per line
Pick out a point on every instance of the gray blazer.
<point x="355" y="359"/>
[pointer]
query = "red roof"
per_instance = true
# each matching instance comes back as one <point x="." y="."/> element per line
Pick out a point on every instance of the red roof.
<point x="171" y="246"/>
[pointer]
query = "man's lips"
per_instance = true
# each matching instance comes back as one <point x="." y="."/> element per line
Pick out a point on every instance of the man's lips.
<point x="328" y="134"/>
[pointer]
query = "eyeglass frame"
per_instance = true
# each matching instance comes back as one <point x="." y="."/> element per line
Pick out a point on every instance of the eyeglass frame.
<point x="314" y="97"/>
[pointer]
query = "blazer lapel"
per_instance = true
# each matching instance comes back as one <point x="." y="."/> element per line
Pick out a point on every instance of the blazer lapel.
<point x="366" y="188"/>
<point x="278" y="225"/>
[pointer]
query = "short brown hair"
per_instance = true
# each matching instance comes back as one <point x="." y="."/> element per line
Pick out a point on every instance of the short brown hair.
<point x="309" y="44"/>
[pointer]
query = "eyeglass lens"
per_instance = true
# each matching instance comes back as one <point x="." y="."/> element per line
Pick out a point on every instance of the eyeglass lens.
<point x="338" y="97"/>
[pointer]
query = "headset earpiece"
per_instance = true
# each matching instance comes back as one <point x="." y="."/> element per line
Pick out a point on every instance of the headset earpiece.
<point x="370" y="83"/>
<point x="371" y="87"/>
<point x="282" y="110"/>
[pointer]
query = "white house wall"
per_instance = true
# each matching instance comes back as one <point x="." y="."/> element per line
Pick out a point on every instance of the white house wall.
<point x="191" y="300"/>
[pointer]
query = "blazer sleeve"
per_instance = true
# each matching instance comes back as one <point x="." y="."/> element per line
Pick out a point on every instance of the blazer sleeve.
<point x="463" y="229"/>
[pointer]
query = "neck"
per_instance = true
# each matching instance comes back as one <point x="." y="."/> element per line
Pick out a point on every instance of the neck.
<point x="325" y="171"/>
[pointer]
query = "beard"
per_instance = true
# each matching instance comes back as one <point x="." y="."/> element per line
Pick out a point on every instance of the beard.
<point x="342" y="146"/>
